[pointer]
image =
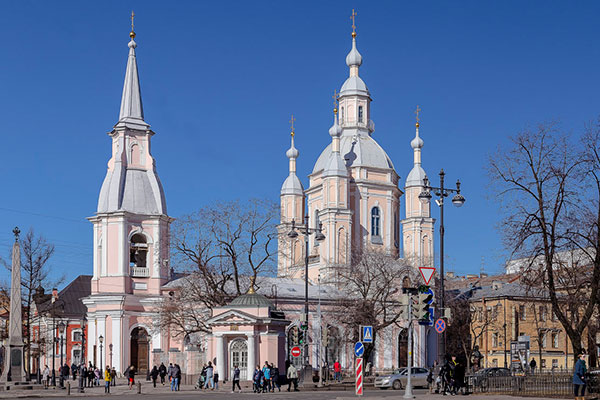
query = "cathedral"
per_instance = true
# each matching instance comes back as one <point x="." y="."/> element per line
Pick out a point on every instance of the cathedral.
<point x="353" y="198"/>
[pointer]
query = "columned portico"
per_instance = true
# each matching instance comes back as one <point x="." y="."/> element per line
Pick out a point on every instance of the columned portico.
<point x="236" y="329"/>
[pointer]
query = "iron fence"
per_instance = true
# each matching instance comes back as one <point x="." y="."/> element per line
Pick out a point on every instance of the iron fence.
<point x="536" y="385"/>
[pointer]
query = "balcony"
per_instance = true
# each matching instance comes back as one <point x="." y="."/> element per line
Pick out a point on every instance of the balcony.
<point x="139" y="272"/>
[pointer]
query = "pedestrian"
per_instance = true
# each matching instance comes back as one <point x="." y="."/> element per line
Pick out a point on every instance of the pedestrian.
<point x="368" y="368"/>
<point x="236" y="379"/>
<point x="171" y="372"/>
<point x="209" y="377"/>
<point x="96" y="376"/>
<point x="46" y="377"/>
<point x="107" y="379"/>
<point x="337" y="371"/>
<point x="203" y="376"/>
<point x="431" y="378"/>
<point x="266" y="377"/>
<point x="113" y="376"/>
<point x="177" y="376"/>
<point x="579" y="377"/>
<point x="216" y="379"/>
<point x="131" y="376"/>
<point x="257" y="379"/>
<point x="292" y="375"/>
<point x="74" y="371"/>
<point x="532" y="365"/>
<point x="275" y="377"/>
<point x="162" y="371"/>
<point x="154" y="375"/>
<point x="90" y="375"/>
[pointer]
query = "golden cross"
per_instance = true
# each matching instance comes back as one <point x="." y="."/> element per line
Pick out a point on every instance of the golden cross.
<point x="335" y="96"/>
<point x="417" y="111"/>
<point x="292" y="122"/>
<point x="354" y="14"/>
<point x="132" y="15"/>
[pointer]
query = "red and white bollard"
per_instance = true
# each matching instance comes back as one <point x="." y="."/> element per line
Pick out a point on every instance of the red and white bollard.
<point x="359" y="376"/>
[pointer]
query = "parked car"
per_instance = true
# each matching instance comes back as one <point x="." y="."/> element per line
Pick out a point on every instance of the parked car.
<point x="398" y="378"/>
<point x="481" y="378"/>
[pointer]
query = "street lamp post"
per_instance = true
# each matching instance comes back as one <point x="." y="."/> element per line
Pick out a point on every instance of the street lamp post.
<point x="101" y="340"/>
<point x="61" y="330"/>
<point x="292" y="234"/>
<point x="458" y="200"/>
<point x="54" y="342"/>
<point x="82" y="364"/>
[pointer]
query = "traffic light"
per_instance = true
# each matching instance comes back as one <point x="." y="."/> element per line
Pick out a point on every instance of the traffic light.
<point x="425" y="300"/>
<point x="403" y="311"/>
<point x="294" y="335"/>
<point x="301" y="336"/>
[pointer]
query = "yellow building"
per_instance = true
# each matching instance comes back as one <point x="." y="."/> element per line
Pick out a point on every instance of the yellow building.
<point x="502" y="310"/>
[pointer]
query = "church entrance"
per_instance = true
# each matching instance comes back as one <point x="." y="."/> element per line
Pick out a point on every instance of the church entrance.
<point x="238" y="355"/>
<point x="140" y="345"/>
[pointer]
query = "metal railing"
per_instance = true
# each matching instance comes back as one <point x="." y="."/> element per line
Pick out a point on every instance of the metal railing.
<point x="139" y="272"/>
<point x="536" y="385"/>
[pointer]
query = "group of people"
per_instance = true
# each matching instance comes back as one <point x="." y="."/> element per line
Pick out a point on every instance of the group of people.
<point x="267" y="378"/>
<point x="173" y="373"/>
<point x="92" y="375"/>
<point x="450" y="377"/>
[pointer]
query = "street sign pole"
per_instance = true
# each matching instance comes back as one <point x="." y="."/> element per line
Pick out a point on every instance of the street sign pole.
<point x="408" y="390"/>
<point x="359" y="376"/>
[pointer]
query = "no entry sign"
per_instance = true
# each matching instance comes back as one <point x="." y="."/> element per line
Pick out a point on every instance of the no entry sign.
<point x="296" y="351"/>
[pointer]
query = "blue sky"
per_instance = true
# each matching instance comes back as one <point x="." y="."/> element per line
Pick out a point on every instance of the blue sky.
<point x="220" y="80"/>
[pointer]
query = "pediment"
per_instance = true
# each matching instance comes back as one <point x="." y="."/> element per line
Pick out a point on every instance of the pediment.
<point x="233" y="317"/>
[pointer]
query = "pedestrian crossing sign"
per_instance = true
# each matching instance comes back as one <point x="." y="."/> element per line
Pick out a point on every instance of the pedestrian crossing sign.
<point x="367" y="334"/>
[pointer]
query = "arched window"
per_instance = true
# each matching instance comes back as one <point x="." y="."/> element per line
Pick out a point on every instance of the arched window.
<point x="396" y="242"/>
<point x="360" y="113"/>
<point x="375" y="218"/>
<point x="342" y="115"/>
<point x="138" y="251"/>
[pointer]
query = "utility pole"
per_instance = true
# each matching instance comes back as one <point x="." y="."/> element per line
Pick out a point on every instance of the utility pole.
<point x="408" y="389"/>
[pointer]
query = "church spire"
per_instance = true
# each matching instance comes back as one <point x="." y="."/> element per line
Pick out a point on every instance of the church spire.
<point x="353" y="59"/>
<point x="132" y="112"/>
<point x="292" y="184"/>
<point x="417" y="174"/>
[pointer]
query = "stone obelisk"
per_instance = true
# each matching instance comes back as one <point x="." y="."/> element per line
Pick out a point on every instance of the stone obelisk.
<point x="13" y="354"/>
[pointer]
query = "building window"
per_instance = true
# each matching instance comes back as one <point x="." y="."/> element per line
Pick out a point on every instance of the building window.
<point x="76" y="336"/>
<point x="495" y="339"/>
<point x="542" y="313"/>
<point x="543" y="336"/>
<point x="317" y="222"/>
<point x="375" y="218"/>
<point x="554" y="317"/>
<point x="543" y="363"/>
<point x="360" y="113"/>
<point x="495" y="363"/>
<point x="396" y="242"/>
<point x="554" y="363"/>
<point x="555" y="340"/>
<point x="522" y="313"/>
<point x="342" y="115"/>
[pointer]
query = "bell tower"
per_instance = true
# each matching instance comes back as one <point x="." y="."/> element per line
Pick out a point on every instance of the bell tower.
<point x="131" y="225"/>
<point x="417" y="227"/>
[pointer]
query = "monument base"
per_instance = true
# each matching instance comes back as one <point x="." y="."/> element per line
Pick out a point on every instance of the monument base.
<point x="13" y="365"/>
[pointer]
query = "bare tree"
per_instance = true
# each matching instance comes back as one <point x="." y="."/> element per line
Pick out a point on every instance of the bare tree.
<point x="220" y="249"/>
<point x="541" y="179"/>
<point x="35" y="253"/>
<point x="467" y="326"/>
<point x="372" y="286"/>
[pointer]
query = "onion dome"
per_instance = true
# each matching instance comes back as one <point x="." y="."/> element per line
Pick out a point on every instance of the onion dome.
<point x="354" y="59"/>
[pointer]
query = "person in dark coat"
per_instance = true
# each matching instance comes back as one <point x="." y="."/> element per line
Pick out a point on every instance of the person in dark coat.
<point x="154" y="375"/>
<point x="162" y="371"/>
<point x="579" y="377"/>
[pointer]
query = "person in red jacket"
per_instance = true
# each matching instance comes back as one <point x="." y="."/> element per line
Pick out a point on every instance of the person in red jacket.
<point x="337" y="371"/>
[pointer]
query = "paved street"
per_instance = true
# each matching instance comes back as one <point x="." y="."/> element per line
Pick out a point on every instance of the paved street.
<point x="187" y="392"/>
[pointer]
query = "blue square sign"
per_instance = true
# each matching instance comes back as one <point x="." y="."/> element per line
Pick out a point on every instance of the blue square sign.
<point x="367" y="334"/>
